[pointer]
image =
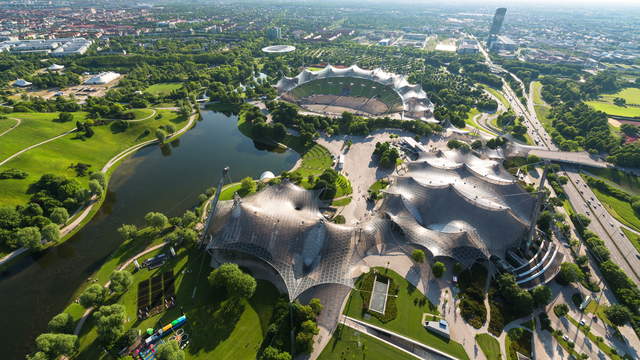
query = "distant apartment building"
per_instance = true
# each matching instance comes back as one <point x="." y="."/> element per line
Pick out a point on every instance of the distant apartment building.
<point x="55" y="47"/>
<point x="274" y="33"/>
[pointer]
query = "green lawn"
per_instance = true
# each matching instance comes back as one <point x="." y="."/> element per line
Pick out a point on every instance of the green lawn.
<point x="621" y="210"/>
<point x="55" y="157"/>
<point x="490" y="346"/>
<point x="315" y="161"/>
<point x="341" y="202"/>
<point x="611" y="109"/>
<point x="348" y="343"/>
<point x="35" y="127"/>
<point x="537" y="97"/>
<point x="631" y="95"/>
<point x="214" y="333"/>
<point x="498" y="95"/>
<point x="470" y="122"/>
<point x="314" y="68"/>
<point x="6" y="123"/>
<point x="411" y="305"/>
<point x="542" y="112"/>
<point x="163" y="88"/>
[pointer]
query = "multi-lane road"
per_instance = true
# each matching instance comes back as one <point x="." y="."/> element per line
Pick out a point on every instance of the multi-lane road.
<point x="581" y="197"/>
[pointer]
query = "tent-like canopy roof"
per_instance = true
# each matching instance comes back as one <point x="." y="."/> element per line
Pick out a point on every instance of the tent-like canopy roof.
<point x="414" y="98"/>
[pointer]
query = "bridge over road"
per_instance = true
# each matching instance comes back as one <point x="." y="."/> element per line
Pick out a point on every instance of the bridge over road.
<point x="566" y="157"/>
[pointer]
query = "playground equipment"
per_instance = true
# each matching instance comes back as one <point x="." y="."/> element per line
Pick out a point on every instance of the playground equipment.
<point x="164" y="331"/>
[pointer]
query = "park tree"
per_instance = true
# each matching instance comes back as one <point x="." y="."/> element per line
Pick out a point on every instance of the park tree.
<point x="156" y="220"/>
<point x="618" y="314"/>
<point x="33" y="209"/>
<point x="304" y="338"/>
<point x="99" y="177"/>
<point x="54" y="345"/>
<point x="170" y="350"/>
<point x="418" y="256"/>
<point x="61" y="323"/>
<point x="618" y="101"/>
<point x="541" y="295"/>
<point x="188" y="218"/>
<point x="316" y="306"/>
<point x="438" y="269"/>
<point x="561" y="310"/>
<point x="29" y="237"/>
<point x="248" y="185"/>
<point x="50" y="233"/>
<point x="94" y="295"/>
<point x="237" y="283"/>
<point x="95" y="187"/>
<point x="569" y="273"/>
<point x="110" y="323"/>
<point x="59" y="215"/>
<point x="64" y="117"/>
<point x="120" y="281"/>
<point x="161" y="135"/>
<point x="127" y="231"/>
<point x="272" y="353"/>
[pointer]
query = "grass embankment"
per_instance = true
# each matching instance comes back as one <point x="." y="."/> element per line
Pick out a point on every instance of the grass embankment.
<point x="163" y="88"/>
<point x="214" y="333"/>
<point x="472" y="123"/>
<point x="621" y="210"/>
<point x="411" y="305"/>
<point x="617" y="178"/>
<point x="490" y="346"/>
<point x="498" y="95"/>
<point x="56" y="157"/>
<point x="348" y="343"/>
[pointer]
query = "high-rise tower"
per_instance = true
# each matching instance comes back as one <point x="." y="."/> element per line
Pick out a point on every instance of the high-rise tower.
<point x="498" y="19"/>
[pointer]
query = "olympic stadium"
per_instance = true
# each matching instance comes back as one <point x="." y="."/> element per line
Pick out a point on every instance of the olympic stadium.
<point x="365" y="92"/>
<point x="451" y="205"/>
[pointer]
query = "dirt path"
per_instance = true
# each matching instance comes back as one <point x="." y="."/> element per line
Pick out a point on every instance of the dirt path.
<point x="13" y="127"/>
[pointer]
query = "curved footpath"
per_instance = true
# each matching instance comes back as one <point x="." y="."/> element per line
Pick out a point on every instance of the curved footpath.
<point x="94" y="200"/>
<point x="13" y="127"/>
<point x="36" y="145"/>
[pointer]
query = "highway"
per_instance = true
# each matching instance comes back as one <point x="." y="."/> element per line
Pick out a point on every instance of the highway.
<point x="581" y="197"/>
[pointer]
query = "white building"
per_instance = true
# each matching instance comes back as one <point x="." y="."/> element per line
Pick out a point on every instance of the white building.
<point x="55" y="47"/>
<point x="21" y="83"/>
<point x="102" y="78"/>
<point x="55" y="67"/>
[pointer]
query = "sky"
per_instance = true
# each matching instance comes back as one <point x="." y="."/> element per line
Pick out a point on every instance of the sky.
<point x="537" y="3"/>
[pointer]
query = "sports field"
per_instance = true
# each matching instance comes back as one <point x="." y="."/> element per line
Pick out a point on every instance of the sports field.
<point x="348" y="86"/>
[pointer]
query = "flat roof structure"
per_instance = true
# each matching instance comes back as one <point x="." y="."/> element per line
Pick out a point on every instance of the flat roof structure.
<point x="278" y="49"/>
